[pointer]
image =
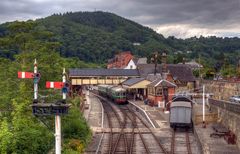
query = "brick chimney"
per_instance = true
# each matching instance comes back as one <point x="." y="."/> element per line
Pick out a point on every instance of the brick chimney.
<point x="164" y="65"/>
<point x="164" y="62"/>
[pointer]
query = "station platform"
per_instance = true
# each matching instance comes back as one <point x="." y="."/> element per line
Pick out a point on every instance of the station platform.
<point x="213" y="145"/>
<point x="207" y="144"/>
<point x="94" y="114"/>
<point x="159" y="118"/>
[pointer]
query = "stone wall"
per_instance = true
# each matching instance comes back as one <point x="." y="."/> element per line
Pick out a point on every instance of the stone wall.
<point x="222" y="90"/>
<point x="209" y="118"/>
<point x="228" y="115"/>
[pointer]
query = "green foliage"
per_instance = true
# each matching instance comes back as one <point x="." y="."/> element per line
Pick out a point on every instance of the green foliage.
<point x="229" y="71"/>
<point x="21" y="132"/>
<point x="97" y="36"/>
<point x="6" y="137"/>
<point x="76" y="132"/>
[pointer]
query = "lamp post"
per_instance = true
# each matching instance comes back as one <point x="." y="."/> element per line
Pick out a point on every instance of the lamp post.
<point x="204" y="124"/>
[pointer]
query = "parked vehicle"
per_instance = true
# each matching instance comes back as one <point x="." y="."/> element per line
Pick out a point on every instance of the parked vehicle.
<point x="180" y="112"/>
<point x="235" y="99"/>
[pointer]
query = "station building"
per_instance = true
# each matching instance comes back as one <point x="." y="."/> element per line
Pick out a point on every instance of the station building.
<point x="160" y="92"/>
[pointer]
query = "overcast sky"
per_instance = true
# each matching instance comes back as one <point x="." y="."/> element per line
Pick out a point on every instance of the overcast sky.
<point x="180" y="18"/>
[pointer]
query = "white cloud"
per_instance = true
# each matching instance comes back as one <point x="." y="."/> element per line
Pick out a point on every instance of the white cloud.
<point x="187" y="30"/>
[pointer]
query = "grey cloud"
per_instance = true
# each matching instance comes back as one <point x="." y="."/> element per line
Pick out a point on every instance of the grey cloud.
<point x="209" y="14"/>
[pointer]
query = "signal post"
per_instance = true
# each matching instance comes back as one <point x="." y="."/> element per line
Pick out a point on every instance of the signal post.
<point x="56" y="108"/>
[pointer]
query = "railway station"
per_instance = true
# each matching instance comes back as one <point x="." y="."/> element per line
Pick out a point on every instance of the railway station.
<point x="154" y="109"/>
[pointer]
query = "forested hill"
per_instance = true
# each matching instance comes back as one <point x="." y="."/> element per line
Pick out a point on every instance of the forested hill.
<point x="97" y="36"/>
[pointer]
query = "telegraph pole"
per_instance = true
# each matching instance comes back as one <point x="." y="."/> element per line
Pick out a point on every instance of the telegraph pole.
<point x="204" y="124"/>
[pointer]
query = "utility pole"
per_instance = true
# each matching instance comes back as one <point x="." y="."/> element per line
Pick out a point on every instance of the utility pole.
<point x="204" y="124"/>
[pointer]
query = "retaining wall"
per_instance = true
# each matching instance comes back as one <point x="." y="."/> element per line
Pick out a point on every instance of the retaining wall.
<point x="222" y="90"/>
<point x="228" y="115"/>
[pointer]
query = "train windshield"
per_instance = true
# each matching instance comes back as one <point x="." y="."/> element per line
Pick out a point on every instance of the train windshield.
<point x="121" y="94"/>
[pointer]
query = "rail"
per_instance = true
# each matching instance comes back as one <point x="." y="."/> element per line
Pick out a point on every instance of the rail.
<point x="144" y="112"/>
<point x="134" y="123"/>
<point x="173" y="144"/>
<point x="114" y="145"/>
<point x="100" y="142"/>
<point x="154" y="136"/>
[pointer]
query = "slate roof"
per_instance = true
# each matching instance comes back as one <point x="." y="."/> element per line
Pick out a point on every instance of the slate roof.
<point x="152" y="77"/>
<point x="103" y="72"/>
<point x="161" y="82"/>
<point x="142" y="60"/>
<point x="132" y="81"/>
<point x="179" y="72"/>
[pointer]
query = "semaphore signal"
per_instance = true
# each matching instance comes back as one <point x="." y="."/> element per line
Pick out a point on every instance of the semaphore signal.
<point x="25" y="75"/>
<point x="55" y="85"/>
<point x="45" y="109"/>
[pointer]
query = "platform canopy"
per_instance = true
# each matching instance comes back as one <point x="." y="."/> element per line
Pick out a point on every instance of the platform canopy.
<point x="136" y="83"/>
<point x="86" y="72"/>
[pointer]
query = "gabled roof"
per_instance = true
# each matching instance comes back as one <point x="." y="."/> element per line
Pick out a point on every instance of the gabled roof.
<point x="162" y="82"/>
<point x="103" y="72"/>
<point x="179" y="72"/>
<point x="132" y="81"/>
<point x="152" y="77"/>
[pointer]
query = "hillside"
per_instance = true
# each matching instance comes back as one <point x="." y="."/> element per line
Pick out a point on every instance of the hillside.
<point x="97" y="36"/>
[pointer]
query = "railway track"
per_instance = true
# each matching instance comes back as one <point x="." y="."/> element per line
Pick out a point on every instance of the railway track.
<point x="117" y="141"/>
<point x="124" y="142"/>
<point x="128" y="132"/>
<point x="180" y="139"/>
<point x="150" y="147"/>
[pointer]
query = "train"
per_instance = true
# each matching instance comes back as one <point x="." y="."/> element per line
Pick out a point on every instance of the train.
<point x="116" y="93"/>
<point x="181" y="112"/>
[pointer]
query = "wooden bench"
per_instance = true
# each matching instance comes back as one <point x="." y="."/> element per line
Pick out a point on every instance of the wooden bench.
<point x="220" y="130"/>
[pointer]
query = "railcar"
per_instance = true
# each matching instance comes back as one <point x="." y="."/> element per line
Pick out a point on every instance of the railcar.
<point x="102" y="90"/>
<point x="118" y="95"/>
<point x="113" y="92"/>
<point x="108" y="90"/>
<point x="180" y="112"/>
